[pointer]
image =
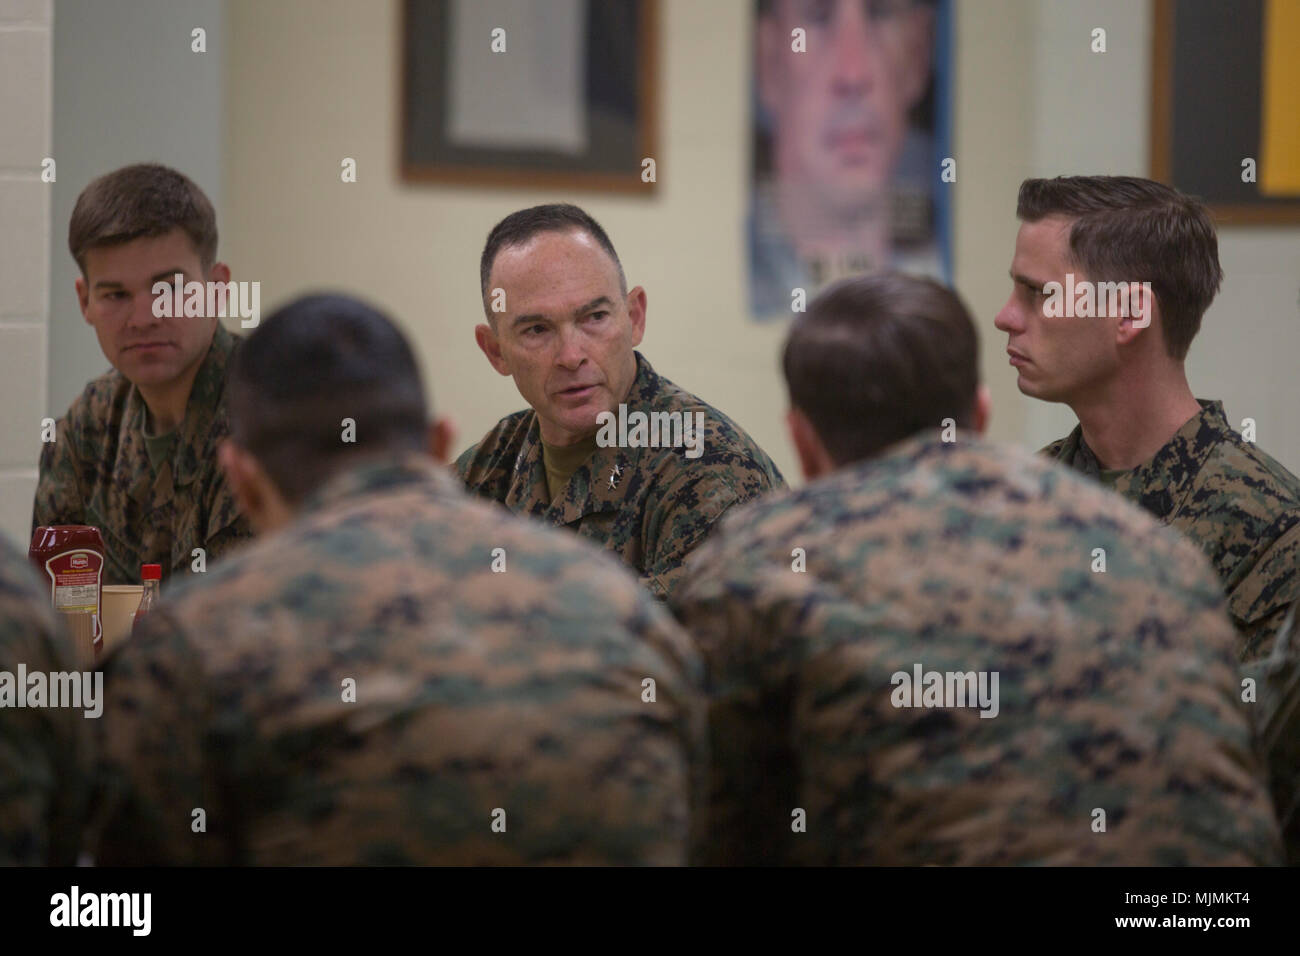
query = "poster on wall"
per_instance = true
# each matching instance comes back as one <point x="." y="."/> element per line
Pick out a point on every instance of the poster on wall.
<point x="851" y="126"/>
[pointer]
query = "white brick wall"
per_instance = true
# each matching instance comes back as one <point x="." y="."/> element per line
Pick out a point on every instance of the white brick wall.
<point x="25" y="117"/>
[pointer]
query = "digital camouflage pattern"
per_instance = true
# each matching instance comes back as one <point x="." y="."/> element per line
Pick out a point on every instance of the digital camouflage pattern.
<point x="474" y="690"/>
<point x="1117" y="689"/>
<point x="1277" y="721"/>
<point x="97" y="472"/>
<point x="44" y="752"/>
<point x="652" y="506"/>
<point x="1237" y="504"/>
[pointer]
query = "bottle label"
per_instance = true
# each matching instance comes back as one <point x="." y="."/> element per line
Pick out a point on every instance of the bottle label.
<point x="74" y="581"/>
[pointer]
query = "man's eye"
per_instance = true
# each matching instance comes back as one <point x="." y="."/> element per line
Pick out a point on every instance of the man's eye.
<point x="119" y="295"/>
<point x="535" y="330"/>
<point x="599" y="315"/>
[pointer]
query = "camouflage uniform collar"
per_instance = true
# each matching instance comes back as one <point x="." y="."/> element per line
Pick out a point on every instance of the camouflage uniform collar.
<point x="599" y="481"/>
<point x="922" y="450"/>
<point x="378" y="475"/>
<point x="926" y="444"/>
<point x="1161" y="484"/>
<point x="204" y="409"/>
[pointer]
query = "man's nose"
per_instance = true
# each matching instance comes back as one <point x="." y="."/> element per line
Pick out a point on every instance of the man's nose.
<point x="142" y="308"/>
<point x="1009" y="319"/>
<point x="572" y="351"/>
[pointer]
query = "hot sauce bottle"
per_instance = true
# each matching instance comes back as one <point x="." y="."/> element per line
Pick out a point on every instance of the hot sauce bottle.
<point x="151" y="575"/>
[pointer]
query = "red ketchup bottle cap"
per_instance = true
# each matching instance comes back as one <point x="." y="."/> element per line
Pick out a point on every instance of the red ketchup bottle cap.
<point x="151" y="572"/>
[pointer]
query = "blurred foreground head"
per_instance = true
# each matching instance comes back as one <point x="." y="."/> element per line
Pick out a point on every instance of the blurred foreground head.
<point x="325" y="383"/>
<point x="877" y="359"/>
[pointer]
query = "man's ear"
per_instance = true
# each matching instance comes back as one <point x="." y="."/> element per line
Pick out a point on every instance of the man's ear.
<point x="983" y="411"/>
<point x="442" y="435"/>
<point x="220" y="272"/>
<point x="636" y="300"/>
<point x="1143" y="314"/>
<point x="255" y="493"/>
<point x="491" y="346"/>
<point x="814" y="460"/>
<point x="237" y="466"/>
<point x="83" y="297"/>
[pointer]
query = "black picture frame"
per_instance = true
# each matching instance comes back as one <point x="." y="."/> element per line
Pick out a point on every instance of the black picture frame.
<point x="621" y="85"/>
<point x="1206" y="106"/>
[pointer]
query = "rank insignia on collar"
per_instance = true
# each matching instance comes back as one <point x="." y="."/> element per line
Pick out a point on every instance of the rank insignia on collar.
<point x="614" y="476"/>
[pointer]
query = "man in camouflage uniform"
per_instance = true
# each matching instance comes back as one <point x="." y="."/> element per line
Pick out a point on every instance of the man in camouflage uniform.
<point x="44" y="751"/>
<point x="395" y="673"/>
<point x="562" y="323"/>
<point x="1113" y="733"/>
<point x="136" y="454"/>
<point x="1141" y="431"/>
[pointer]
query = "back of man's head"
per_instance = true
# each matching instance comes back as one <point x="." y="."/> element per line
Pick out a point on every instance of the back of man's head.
<point x="314" y="363"/>
<point x="879" y="358"/>
<point x="1127" y="229"/>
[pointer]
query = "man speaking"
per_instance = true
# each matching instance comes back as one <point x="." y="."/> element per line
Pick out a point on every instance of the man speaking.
<point x="608" y="448"/>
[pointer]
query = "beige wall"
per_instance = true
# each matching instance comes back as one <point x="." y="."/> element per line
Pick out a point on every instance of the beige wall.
<point x="25" y="56"/>
<point x="312" y="82"/>
<point x="304" y="83"/>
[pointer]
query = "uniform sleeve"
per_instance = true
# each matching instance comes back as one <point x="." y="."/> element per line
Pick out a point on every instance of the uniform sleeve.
<point x="151" y="774"/>
<point x="1276" y="717"/>
<point x="462" y="464"/>
<point x="44" y="751"/>
<point x="1259" y="602"/>
<point x="59" y="498"/>
<point x="680" y="523"/>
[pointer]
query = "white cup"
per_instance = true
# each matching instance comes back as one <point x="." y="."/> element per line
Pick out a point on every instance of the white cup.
<point x="118" y="612"/>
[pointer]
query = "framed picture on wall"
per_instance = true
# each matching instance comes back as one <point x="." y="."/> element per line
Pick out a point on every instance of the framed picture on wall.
<point x="1225" y="112"/>
<point x="536" y="93"/>
<point x="851" y="130"/>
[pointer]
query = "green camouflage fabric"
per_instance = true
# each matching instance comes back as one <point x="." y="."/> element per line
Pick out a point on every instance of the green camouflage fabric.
<point x="44" y="751"/>
<point x="652" y="506"/>
<point x="1237" y="504"/>
<point x="519" y="690"/>
<point x="1277" y="688"/>
<point x="1117" y="690"/>
<point x="97" y="472"/>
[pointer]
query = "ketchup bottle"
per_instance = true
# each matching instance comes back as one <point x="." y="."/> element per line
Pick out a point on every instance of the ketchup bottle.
<point x="71" y="560"/>
<point x="151" y="575"/>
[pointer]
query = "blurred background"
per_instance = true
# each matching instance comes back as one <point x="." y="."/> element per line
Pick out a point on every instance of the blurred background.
<point x="287" y="89"/>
